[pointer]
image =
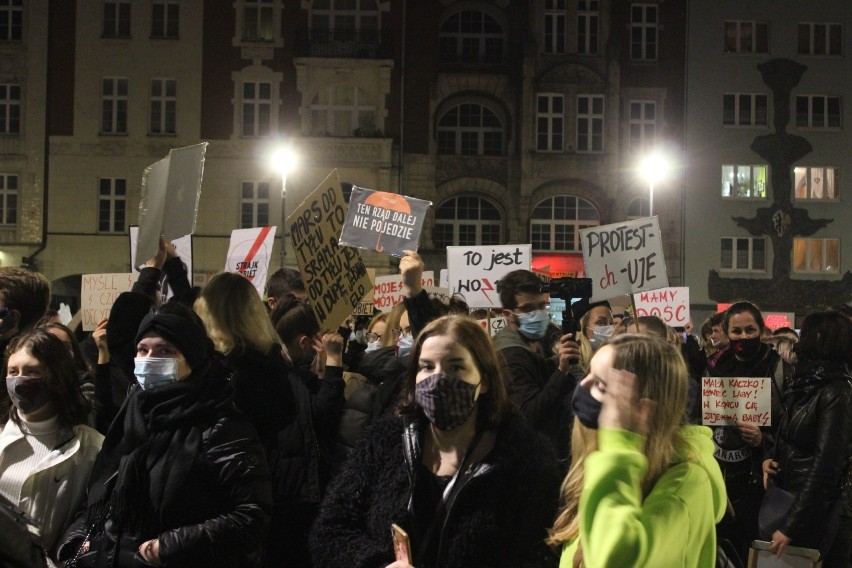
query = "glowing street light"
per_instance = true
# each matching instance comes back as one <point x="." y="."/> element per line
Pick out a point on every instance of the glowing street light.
<point x="283" y="160"/>
<point x="654" y="168"/>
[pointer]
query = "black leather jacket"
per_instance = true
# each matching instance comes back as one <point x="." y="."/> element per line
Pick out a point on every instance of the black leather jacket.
<point x="814" y="448"/>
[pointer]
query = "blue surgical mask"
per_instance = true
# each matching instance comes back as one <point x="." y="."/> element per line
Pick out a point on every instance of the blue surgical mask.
<point x="153" y="372"/>
<point x="404" y="345"/>
<point x="373" y="345"/>
<point x="601" y="334"/>
<point x="533" y="325"/>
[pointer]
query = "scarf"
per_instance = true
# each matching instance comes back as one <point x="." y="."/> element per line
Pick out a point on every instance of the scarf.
<point x="149" y="450"/>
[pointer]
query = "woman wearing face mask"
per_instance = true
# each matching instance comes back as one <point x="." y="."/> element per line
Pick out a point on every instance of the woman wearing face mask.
<point x="643" y="489"/>
<point x="46" y="451"/>
<point x="597" y="327"/>
<point x="458" y="470"/>
<point x="739" y="449"/>
<point x="182" y="478"/>
<point x="375" y="330"/>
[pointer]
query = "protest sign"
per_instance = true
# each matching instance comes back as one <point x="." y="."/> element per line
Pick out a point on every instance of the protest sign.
<point x="388" y="292"/>
<point x="624" y="258"/>
<point x="335" y="276"/>
<point x="249" y="252"/>
<point x="474" y="271"/>
<point x="183" y="247"/>
<point x="385" y="222"/>
<point x="171" y="189"/>
<point x="669" y="304"/>
<point x="492" y="325"/>
<point x="739" y="400"/>
<point x="97" y="294"/>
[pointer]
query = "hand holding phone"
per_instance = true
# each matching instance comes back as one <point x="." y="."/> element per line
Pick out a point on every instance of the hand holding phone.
<point x="401" y="544"/>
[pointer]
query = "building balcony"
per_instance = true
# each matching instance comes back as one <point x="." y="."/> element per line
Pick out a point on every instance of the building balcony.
<point x="344" y="43"/>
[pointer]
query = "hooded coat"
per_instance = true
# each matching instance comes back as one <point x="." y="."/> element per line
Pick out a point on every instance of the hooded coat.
<point x="673" y="525"/>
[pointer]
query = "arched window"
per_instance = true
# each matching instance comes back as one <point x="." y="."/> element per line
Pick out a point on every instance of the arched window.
<point x="467" y="220"/>
<point x="556" y="222"/>
<point x="472" y="37"/>
<point x="470" y="129"/>
<point x="638" y="208"/>
<point x="343" y="110"/>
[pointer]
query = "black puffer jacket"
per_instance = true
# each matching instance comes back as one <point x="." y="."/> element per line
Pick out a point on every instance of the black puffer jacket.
<point x="814" y="448"/>
<point x="179" y="464"/>
<point x="499" y="517"/>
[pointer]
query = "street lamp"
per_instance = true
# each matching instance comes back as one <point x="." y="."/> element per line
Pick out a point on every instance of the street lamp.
<point x="284" y="160"/>
<point x="654" y="168"/>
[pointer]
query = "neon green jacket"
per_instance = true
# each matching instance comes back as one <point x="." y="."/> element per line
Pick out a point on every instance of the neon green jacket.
<point x="674" y="526"/>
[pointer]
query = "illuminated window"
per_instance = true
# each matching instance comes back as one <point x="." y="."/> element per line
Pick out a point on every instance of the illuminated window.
<point x="744" y="181"/>
<point x="816" y="255"/>
<point x="816" y="183"/>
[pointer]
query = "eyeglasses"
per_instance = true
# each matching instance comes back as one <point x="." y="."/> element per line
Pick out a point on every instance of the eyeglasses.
<point x="530" y="308"/>
<point x="404" y="331"/>
<point x="371" y="337"/>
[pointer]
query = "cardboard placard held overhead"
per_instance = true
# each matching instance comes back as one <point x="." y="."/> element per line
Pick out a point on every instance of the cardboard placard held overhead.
<point x="669" y="304"/>
<point x="98" y="293"/>
<point x="171" y="189"/>
<point x="624" y="258"/>
<point x="335" y="276"/>
<point x="249" y="252"/>
<point x="474" y="271"/>
<point x="382" y="221"/>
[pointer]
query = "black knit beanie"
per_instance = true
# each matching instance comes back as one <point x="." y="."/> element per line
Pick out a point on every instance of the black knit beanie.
<point x="181" y="327"/>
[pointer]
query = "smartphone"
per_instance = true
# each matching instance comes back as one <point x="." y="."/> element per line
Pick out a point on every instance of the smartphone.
<point x="401" y="544"/>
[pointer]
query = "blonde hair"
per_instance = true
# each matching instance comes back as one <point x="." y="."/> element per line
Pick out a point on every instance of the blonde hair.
<point x="586" y="349"/>
<point x="662" y="378"/>
<point x="394" y="317"/>
<point x="235" y="316"/>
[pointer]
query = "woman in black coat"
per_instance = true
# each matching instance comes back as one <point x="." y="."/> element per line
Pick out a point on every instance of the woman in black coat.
<point x="181" y="479"/>
<point x="811" y="458"/>
<point x="458" y="470"/>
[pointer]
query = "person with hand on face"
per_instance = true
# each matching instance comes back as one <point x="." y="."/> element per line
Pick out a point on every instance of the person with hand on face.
<point x="643" y="489"/>
<point x="740" y="448"/>
<point x="46" y="450"/>
<point x="182" y="479"/>
<point x="541" y="386"/>
<point x="458" y="469"/>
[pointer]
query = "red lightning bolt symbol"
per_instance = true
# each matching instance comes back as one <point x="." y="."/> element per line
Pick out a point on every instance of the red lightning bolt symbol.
<point x="486" y="286"/>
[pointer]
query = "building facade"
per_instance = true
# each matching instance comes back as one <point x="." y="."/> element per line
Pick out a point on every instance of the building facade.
<point x="767" y="143"/>
<point x="522" y="122"/>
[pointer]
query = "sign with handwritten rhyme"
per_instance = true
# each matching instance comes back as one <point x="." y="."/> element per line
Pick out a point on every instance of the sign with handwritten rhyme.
<point x="736" y="400"/>
<point x="624" y="258"/>
<point x="335" y="276"/>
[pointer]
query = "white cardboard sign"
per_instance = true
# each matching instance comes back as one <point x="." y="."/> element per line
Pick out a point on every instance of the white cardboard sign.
<point x="97" y="294"/>
<point x="669" y="304"/>
<point x="475" y="271"/>
<point x="388" y="290"/>
<point x="736" y="400"/>
<point x="249" y="252"/>
<point x="624" y="258"/>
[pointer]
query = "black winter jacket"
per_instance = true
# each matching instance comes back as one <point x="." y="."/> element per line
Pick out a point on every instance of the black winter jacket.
<point x="217" y="499"/>
<point x="540" y="389"/>
<point x="814" y="447"/>
<point x="499" y="517"/>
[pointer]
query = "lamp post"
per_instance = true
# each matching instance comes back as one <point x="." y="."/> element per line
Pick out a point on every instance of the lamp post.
<point x="654" y="168"/>
<point x="283" y="160"/>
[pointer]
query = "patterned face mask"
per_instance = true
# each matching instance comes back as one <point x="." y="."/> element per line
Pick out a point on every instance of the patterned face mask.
<point x="446" y="401"/>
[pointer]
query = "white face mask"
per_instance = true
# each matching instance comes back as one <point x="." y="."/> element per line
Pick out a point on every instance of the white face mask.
<point x="373" y="345"/>
<point x="153" y="372"/>
<point x="601" y="334"/>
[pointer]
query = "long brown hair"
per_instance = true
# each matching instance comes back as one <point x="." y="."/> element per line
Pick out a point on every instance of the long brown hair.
<point x="662" y="378"/>
<point x="494" y="404"/>
<point x="61" y="381"/>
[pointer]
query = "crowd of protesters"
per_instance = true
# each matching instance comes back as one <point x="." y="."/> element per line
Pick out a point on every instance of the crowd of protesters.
<point x="221" y="429"/>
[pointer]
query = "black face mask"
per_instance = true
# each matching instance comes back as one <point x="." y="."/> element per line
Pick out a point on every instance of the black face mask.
<point x="746" y="348"/>
<point x="586" y="407"/>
